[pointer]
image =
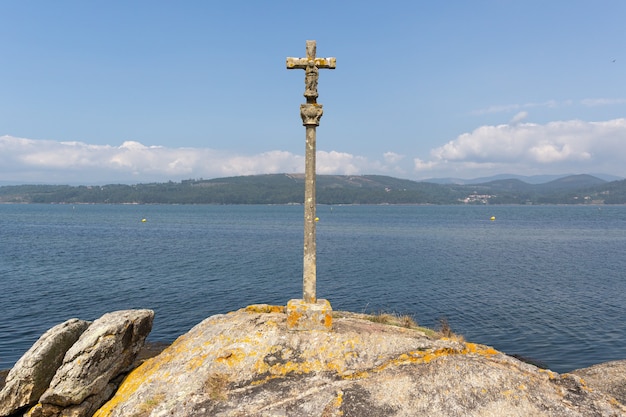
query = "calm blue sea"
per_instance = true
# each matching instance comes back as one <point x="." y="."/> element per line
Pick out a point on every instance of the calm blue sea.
<point x="545" y="282"/>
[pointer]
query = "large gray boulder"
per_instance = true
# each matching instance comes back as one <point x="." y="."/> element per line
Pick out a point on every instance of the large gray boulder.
<point x="248" y="363"/>
<point x="104" y="351"/>
<point x="31" y="375"/>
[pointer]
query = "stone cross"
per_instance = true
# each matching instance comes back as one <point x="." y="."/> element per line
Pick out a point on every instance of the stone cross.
<point x="311" y="112"/>
<point x="310" y="313"/>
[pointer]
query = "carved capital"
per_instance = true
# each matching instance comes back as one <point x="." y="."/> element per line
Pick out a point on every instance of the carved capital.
<point x="311" y="114"/>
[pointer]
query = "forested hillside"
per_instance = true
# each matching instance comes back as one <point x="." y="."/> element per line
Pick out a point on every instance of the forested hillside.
<point x="331" y="189"/>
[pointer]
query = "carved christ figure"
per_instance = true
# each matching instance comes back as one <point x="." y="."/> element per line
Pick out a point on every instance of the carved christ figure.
<point x="310" y="81"/>
<point x="311" y="66"/>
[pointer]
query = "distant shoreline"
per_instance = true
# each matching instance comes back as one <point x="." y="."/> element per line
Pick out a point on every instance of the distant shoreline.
<point x="281" y="189"/>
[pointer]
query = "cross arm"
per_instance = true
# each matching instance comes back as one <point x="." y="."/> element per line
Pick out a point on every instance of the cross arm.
<point x="301" y="63"/>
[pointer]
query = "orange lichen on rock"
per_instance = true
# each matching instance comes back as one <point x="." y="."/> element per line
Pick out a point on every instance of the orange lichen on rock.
<point x="328" y="321"/>
<point x="302" y="315"/>
<point x="130" y="385"/>
<point x="251" y="363"/>
<point x="426" y="356"/>
<point x="231" y="357"/>
<point x="293" y="318"/>
<point x="264" y="308"/>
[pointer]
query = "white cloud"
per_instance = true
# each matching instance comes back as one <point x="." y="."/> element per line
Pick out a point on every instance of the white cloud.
<point x="572" y="146"/>
<point x="342" y="163"/>
<point x="46" y="161"/>
<point x="392" y="157"/>
<point x="519" y="147"/>
<point x="519" y="117"/>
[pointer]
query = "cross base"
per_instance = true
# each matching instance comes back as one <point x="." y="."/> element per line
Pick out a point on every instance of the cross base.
<point x="309" y="316"/>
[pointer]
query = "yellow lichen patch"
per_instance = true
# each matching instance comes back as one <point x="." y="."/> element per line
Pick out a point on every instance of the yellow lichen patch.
<point x="359" y="375"/>
<point x="551" y="375"/>
<point x="305" y="367"/>
<point x="479" y="349"/>
<point x="195" y="362"/>
<point x="586" y="387"/>
<point x="583" y="384"/>
<point x="424" y="356"/>
<point x="328" y="321"/>
<point x="332" y="409"/>
<point x="293" y="318"/>
<point x="231" y="357"/>
<point x="335" y="366"/>
<point x="269" y="323"/>
<point x="264" y="308"/>
<point x="280" y="370"/>
<point x="339" y="399"/>
<point x="145" y="372"/>
<point x="130" y="384"/>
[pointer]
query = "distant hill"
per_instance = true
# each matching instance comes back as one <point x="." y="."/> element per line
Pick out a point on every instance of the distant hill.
<point x="533" y="179"/>
<point x="331" y="189"/>
<point x="571" y="182"/>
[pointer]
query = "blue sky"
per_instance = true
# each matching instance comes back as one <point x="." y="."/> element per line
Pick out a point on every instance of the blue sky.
<point x="140" y="91"/>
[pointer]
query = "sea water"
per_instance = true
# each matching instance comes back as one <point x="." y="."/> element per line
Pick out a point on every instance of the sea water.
<point x="543" y="282"/>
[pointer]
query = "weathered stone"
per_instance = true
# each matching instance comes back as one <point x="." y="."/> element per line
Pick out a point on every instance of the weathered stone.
<point x="309" y="316"/>
<point x="91" y="403"/>
<point x="311" y="64"/>
<point x="3" y="377"/>
<point x="32" y="373"/>
<point x="104" y="351"/>
<point x="608" y="377"/>
<point x="248" y="363"/>
<point x="311" y="112"/>
<point x="44" y="410"/>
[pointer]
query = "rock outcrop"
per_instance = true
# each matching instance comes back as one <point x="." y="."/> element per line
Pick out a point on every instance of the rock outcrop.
<point x="104" y="351"/>
<point x="32" y="374"/>
<point x="89" y="362"/>
<point x="608" y="377"/>
<point x="247" y="363"/>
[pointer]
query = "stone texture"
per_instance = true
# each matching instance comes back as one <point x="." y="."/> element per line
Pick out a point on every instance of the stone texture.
<point x="84" y="409"/>
<point x="248" y="363"/>
<point x="3" y="377"/>
<point x="608" y="377"/>
<point x="302" y="315"/>
<point x="105" y="350"/>
<point x="32" y="373"/>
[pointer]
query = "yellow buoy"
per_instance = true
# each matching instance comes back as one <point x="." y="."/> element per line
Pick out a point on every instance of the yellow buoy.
<point x="492" y="218"/>
<point x="143" y="220"/>
<point x="317" y="219"/>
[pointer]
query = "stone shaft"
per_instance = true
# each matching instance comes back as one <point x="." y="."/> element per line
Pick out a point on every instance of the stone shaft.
<point x="310" y="250"/>
<point x="311" y="113"/>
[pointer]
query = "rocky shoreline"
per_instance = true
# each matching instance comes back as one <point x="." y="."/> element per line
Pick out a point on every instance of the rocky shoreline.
<point x="250" y="363"/>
